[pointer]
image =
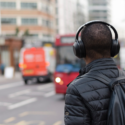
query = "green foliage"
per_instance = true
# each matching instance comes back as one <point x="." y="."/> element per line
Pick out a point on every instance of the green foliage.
<point x="26" y="33"/>
<point x="17" y="31"/>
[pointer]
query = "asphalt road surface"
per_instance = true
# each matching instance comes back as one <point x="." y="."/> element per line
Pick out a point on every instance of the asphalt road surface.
<point x="33" y="104"/>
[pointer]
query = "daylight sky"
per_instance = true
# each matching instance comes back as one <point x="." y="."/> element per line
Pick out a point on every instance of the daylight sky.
<point x="118" y="17"/>
<point x="118" y="12"/>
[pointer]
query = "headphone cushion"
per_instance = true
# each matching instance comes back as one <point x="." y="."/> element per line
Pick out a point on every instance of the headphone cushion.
<point x="76" y="49"/>
<point x="82" y="49"/>
<point x="79" y="49"/>
<point x="115" y="48"/>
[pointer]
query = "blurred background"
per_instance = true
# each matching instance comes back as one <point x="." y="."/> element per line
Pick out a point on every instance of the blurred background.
<point x="36" y="56"/>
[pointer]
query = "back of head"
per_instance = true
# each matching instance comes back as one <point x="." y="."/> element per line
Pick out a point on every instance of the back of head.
<point x="97" y="39"/>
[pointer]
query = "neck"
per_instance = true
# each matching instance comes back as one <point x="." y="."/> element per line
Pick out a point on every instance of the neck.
<point x="89" y="60"/>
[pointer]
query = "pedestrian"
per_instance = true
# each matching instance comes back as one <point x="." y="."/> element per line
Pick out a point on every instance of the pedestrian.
<point x="87" y="98"/>
<point x="2" y="67"/>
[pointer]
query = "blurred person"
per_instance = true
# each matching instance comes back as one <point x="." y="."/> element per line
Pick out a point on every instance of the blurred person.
<point x="87" y="99"/>
<point x="2" y="67"/>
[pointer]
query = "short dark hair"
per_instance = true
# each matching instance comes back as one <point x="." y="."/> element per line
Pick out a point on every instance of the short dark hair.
<point x="97" y="39"/>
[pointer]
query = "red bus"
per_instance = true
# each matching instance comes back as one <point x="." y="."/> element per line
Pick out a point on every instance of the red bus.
<point x="67" y="64"/>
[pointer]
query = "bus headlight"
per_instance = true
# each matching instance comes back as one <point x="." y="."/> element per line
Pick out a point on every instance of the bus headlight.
<point x="58" y="80"/>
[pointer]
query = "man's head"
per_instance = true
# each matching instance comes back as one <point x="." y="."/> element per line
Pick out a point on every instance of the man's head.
<point x="97" y="39"/>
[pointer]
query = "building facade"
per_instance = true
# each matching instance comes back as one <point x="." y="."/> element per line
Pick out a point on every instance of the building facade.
<point x="70" y="14"/>
<point x="99" y="10"/>
<point x="34" y="17"/>
<point x="9" y="51"/>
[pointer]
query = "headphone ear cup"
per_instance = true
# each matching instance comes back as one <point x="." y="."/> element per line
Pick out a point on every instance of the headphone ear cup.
<point x="115" y="48"/>
<point x="82" y="49"/>
<point x="76" y="49"/>
<point x="79" y="49"/>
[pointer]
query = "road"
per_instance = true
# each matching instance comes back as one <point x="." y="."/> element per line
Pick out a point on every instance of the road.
<point x="33" y="104"/>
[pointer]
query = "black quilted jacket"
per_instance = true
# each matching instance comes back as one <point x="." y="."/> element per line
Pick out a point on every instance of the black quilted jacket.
<point x="87" y="100"/>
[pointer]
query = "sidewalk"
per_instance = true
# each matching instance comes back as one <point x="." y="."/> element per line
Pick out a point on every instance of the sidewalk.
<point x="17" y="76"/>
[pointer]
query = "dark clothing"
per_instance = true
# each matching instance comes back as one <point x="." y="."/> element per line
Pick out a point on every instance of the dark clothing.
<point x="2" y="67"/>
<point x="87" y="99"/>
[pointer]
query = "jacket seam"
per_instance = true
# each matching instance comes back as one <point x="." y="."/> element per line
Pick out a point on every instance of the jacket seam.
<point x="100" y="110"/>
<point x="87" y="81"/>
<point x="103" y="68"/>
<point x="73" y="105"/>
<point x="98" y="100"/>
<point x="99" y="121"/>
<point x="75" y="116"/>
<point x="71" y="94"/>
<point x="94" y="90"/>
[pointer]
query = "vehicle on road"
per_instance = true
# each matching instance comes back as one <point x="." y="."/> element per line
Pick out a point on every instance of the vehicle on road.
<point x="33" y="64"/>
<point x="67" y="64"/>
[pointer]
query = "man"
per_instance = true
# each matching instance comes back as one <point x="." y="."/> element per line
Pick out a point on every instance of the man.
<point x="87" y="99"/>
<point x="2" y="67"/>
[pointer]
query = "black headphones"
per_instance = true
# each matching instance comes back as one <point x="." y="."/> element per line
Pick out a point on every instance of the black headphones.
<point x="79" y="47"/>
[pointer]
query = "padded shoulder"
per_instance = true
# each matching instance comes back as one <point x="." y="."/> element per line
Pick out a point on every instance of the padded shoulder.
<point x="84" y="84"/>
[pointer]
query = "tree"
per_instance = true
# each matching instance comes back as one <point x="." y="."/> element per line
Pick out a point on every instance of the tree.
<point x="26" y="33"/>
<point x="17" y="31"/>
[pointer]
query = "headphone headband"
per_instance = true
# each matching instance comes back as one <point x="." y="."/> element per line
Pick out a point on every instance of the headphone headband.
<point x="96" y="21"/>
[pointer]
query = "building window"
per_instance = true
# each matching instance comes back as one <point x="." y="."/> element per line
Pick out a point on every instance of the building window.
<point x="103" y="11"/>
<point x="57" y="31"/>
<point x="8" y="20"/>
<point x="29" y="21"/>
<point x="56" y="10"/>
<point x="47" y="37"/>
<point x="35" y="35"/>
<point x="57" y="21"/>
<point x="9" y="5"/>
<point x="98" y="3"/>
<point x="46" y="8"/>
<point x="25" y="5"/>
<point x="46" y="23"/>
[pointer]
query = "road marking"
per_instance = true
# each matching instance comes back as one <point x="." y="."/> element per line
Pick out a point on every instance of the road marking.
<point x="49" y="94"/>
<point x="22" y="123"/>
<point x="35" y="93"/>
<point x="36" y="113"/>
<point x="11" y="85"/>
<point x="30" y="122"/>
<point x="19" y="93"/>
<point x="41" y="113"/>
<point x="7" y="124"/>
<point x="58" y="123"/>
<point x="23" y="97"/>
<point x="23" y="114"/>
<point x="5" y="104"/>
<point x="9" y="119"/>
<point x="17" y="105"/>
<point x="26" y="123"/>
<point x="41" y="123"/>
<point x="42" y="87"/>
<point x="36" y="122"/>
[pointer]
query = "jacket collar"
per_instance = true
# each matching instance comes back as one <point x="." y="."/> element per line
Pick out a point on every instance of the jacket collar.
<point x="99" y="64"/>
